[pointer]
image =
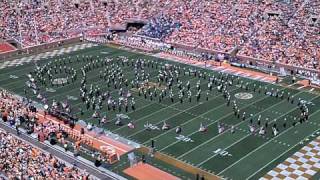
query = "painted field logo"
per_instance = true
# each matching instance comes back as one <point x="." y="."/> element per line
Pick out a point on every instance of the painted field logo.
<point x="184" y="138"/>
<point x="13" y="77"/>
<point x="222" y="152"/>
<point x="60" y="81"/>
<point x="243" y="95"/>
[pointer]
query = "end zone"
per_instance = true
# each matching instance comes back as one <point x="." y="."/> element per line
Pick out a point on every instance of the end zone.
<point x="143" y="171"/>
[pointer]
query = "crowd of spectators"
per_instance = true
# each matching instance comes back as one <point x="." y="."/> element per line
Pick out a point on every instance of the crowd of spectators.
<point x="15" y="112"/>
<point x="34" y="22"/>
<point x="280" y="31"/>
<point x="295" y="41"/>
<point x="159" y="27"/>
<point x="283" y="31"/>
<point x="20" y="160"/>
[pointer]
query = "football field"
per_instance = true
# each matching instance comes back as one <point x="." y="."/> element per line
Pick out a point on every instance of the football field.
<point x="235" y="155"/>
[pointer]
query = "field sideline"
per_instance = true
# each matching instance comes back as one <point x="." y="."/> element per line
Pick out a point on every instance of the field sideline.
<point x="238" y="155"/>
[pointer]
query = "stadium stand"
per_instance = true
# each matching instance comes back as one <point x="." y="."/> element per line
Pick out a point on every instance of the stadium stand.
<point x="23" y="117"/>
<point x="280" y="31"/>
<point x="277" y="33"/>
<point x="159" y="27"/>
<point x="21" y="160"/>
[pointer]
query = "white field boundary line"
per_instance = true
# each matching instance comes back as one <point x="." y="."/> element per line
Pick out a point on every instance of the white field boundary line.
<point x="74" y="89"/>
<point x="238" y="123"/>
<point x="58" y="95"/>
<point x="116" y="90"/>
<point x="170" y="130"/>
<point x="25" y="68"/>
<point x="170" y="106"/>
<point x="142" y="106"/>
<point x="175" y="142"/>
<point x="216" y="120"/>
<point x="156" y="102"/>
<point x="181" y="111"/>
<point x="292" y="84"/>
<point x="201" y="116"/>
<point x="57" y="88"/>
<point x="15" y="82"/>
<point x="278" y="156"/>
<point x="204" y="118"/>
<point x="215" y="69"/>
<point x="267" y="142"/>
<point x="76" y="105"/>
<point x="267" y="109"/>
<point x="249" y="135"/>
<point x="210" y="98"/>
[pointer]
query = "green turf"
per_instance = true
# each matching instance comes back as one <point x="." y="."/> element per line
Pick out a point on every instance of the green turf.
<point x="248" y="156"/>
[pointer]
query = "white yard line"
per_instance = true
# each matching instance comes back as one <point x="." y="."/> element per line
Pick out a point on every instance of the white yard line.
<point x="250" y="134"/>
<point x="267" y="142"/>
<point x="278" y="156"/>
<point x="239" y="140"/>
<point x="172" y="129"/>
<point x="15" y="82"/>
<point x="212" y="123"/>
<point x="214" y="97"/>
<point x="166" y="106"/>
<point x="179" y="113"/>
<point x="260" y="112"/>
<point x="73" y="89"/>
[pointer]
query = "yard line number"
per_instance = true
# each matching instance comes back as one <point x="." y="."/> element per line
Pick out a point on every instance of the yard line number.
<point x="222" y="152"/>
<point x="184" y="138"/>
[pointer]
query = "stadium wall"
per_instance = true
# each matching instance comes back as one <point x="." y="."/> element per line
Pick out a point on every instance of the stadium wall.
<point x="291" y="68"/>
<point x="243" y="59"/>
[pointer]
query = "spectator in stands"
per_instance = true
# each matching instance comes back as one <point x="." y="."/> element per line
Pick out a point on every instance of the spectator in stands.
<point x="159" y="27"/>
<point x="23" y="161"/>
